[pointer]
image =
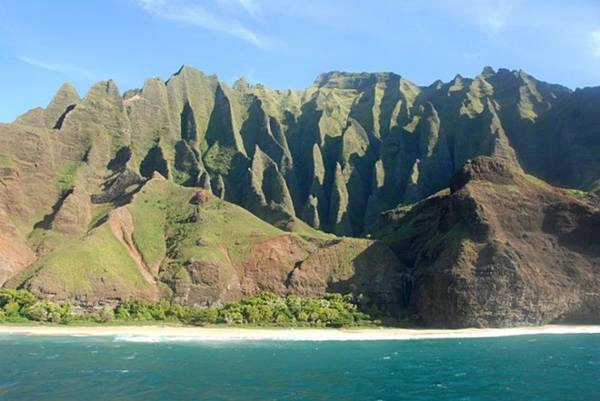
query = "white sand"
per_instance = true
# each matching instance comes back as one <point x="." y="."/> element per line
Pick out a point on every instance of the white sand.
<point x="173" y="333"/>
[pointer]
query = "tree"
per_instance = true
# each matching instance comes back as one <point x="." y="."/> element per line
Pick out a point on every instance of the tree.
<point x="12" y="310"/>
<point x="106" y="314"/>
<point x="263" y="308"/>
<point x="37" y="312"/>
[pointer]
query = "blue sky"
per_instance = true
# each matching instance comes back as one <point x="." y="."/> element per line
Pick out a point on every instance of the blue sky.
<point x="286" y="43"/>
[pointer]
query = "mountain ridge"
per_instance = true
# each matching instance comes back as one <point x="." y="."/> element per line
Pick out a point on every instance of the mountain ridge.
<point x="333" y="157"/>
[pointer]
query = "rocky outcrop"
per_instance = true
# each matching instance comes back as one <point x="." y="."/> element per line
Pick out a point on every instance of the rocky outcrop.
<point x="118" y="185"/>
<point x="360" y="267"/>
<point x="286" y="264"/>
<point x="74" y="215"/>
<point x="499" y="249"/>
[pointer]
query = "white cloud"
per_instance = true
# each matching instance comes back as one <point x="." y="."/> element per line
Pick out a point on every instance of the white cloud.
<point x="219" y="20"/>
<point x="58" y="67"/>
<point x="595" y="42"/>
<point x="493" y="15"/>
<point x="250" y="7"/>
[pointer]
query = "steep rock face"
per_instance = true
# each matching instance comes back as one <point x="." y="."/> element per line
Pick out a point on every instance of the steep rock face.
<point x="267" y="195"/>
<point x="74" y="214"/>
<point x="345" y="149"/>
<point x="362" y="267"/>
<point x="499" y="249"/>
<point x="15" y="254"/>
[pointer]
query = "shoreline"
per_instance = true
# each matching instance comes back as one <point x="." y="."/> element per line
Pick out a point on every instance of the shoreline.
<point x="186" y="333"/>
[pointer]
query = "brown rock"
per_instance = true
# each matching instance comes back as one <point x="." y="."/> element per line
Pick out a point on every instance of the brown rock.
<point x="501" y="249"/>
<point x="200" y="197"/>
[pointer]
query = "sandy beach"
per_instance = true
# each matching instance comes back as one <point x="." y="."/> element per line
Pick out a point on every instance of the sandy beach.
<point x="175" y="333"/>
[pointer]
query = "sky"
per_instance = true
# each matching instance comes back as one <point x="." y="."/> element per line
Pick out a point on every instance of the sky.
<point x="287" y="43"/>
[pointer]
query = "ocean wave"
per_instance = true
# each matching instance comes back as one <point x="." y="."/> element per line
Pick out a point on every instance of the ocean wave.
<point x="332" y="335"/>
<point x="227" y="335"/>
<point x="153" y="338"/>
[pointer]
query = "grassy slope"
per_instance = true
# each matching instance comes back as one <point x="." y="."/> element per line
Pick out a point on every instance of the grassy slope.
<point x="76" y="265"/>
<point x="66" y="175"/>
<point x="221" y="232"/>
<point x="166" y="224"/>
<point x="221" y="227"/>
<point x="100" y="254"/>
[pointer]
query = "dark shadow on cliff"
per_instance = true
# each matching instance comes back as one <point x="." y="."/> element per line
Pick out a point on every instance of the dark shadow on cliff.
<point x="382" y="286"/>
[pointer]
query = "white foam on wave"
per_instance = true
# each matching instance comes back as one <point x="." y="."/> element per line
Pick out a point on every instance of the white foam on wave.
<point x="234" y="335"/>
<point x="153" y="338"/>
<point x="142" y="334"/>
<point x="258" y="335"/>
<point x="134" y="338"/>
<point x="332" y="335"/>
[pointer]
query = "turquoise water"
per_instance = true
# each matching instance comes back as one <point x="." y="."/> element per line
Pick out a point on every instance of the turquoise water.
<point x="545" y="367"/>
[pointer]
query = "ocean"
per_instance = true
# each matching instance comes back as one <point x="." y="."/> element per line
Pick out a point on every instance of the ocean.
<point x="527" y="368"/>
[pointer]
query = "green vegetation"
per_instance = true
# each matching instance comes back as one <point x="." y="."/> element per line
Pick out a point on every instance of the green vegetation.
<point x="5" y="161"/>
<point x="65" y="178"/>
<point x="307" y="232"/>
<point x="218" y="231"/>
<point x="99" y="255"/>
<point x="263" y="309"/>
<point x="78" y="265"/>
<point x="149" y="232"/>
<point x="219" y="159"/>
<point x="267" y="308"/>
<point x="578" y="193"/>
<point x="21" y="305"/>
<point x="414" y="221"/>
<point x="536" y="181"/>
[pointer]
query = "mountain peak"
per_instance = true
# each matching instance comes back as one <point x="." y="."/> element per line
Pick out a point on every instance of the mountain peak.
<point x="351" y="80"/>
<point x="104" y="89"/>
<point x="241" y="84"/>
<point x="65" y="96"/>
<point x="187" y="69"/>
<point x="492" y="169"/>
<point x="63" y="101"/>
<point x="488" y="72"/>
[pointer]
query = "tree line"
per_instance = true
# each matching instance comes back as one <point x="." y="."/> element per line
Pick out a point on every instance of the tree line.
<point x="264" y="308"/>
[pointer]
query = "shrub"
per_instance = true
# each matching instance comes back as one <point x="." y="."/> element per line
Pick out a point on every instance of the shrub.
<point x="231" y="314"/>
<point x="23" y="298"/>
<point x="106" y="314"/>
<point x="264" y="308"/>
<point x="37" y="312"/>
<point x="43" y="311"/>
<point x="54" y="317"/>
<point x="66" y="313"/>
<point x="12" y="310"/>
<point x="122" y="312"/>
<point x="15" y="304"/>
<point x="203" y="316"/>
